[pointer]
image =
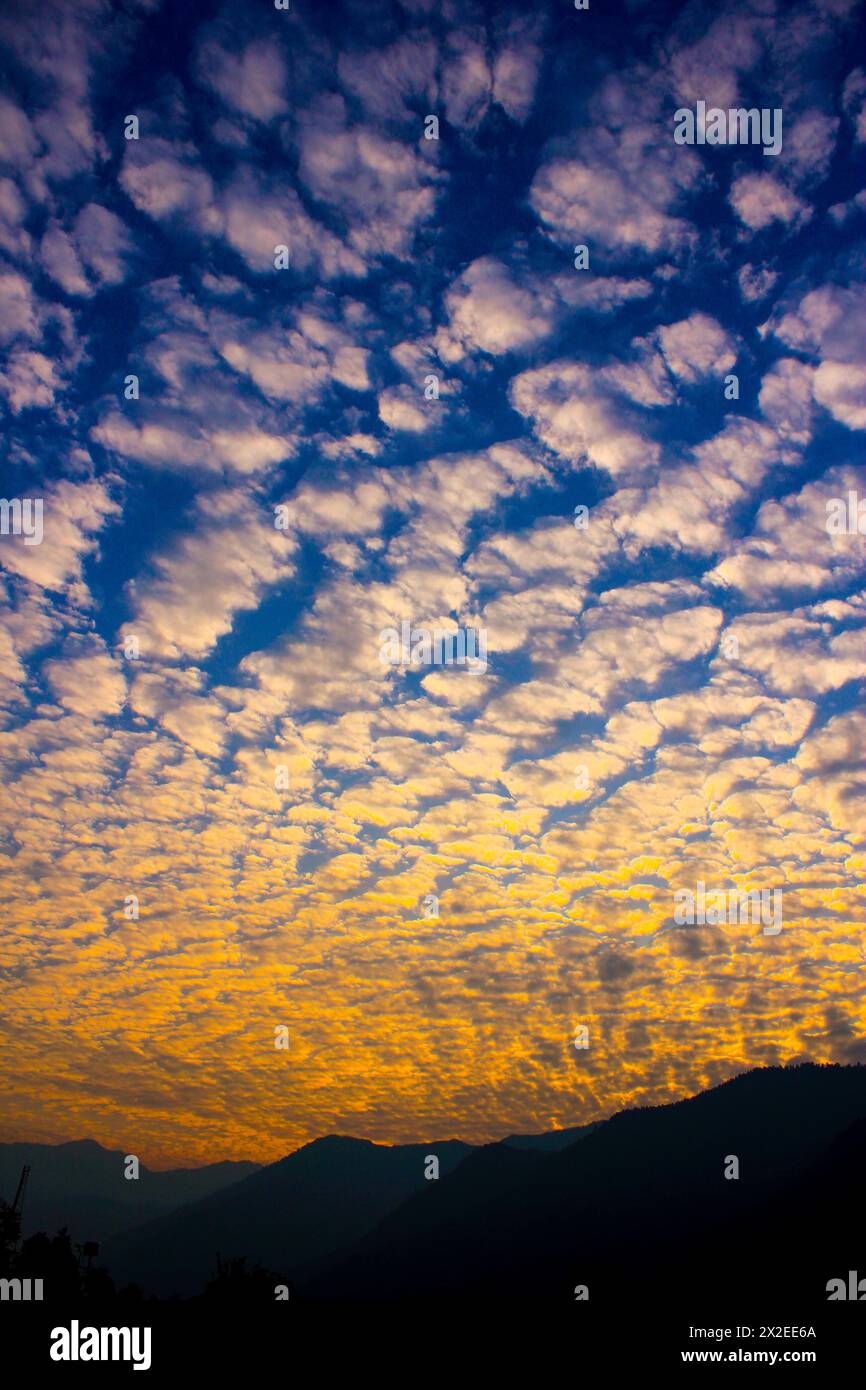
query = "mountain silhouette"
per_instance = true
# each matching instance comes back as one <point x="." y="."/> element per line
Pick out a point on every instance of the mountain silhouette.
<point x="634" y="1207"/>
<point x="81" y="1185"/>
<point x="642" y="1197"/>
<point x="552" y="1141"/>
<point x="291" y="1215"/>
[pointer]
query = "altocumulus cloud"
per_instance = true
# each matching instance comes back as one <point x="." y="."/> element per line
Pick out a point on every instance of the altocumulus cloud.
<point x="310" y="349"/>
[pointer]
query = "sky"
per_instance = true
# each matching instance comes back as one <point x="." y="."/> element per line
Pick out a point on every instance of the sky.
<point x="298" y="346"/>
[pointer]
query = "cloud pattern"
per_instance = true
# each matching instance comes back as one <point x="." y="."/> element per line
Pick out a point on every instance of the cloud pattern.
<point x="246" y="476"/>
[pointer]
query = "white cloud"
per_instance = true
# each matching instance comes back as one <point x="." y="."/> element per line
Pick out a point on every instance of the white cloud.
<point x="387" y="79"/>
<point x="13" y="212"/>
<point x="466" y="80"/>
<point x="499" y="310"/>
<point x="171" y="439"/>
<point x="575" y="419"/>
<point x="488" y="309"/>
<point x="258" y="217"/>
<point x="383" y="188"/>
<point x="795" y="654"/>
<point x="29" y="379"/>
<point x="620" y="193"/>
<point x="786" y="398"/>
<point x="17" y="138"/>
<point x="90" y="683"/>
<point x="790" y="549"/>
<point x="97" y="242"/>
<point x="830" y="322"/>
<point x="756" y="281"/>
<point x="219" y="568"/>
<point x="252" y="82"/>
<point x="296" y="364"/>
<point x="760" y="199"/>
<point x="809" y="145"/>
<point x="854" y="101"/>
<point x="840" y="212"/>
<point x="515" y="75"/>
<point x="401" y="408"/>
<point x="72" y="515"/>
<point x="696" y="347"/>
<point x="690" y="505"/>
<point x="841" y="388"/>
<point x="18" y="313"/>
<point x="167" y="182"/>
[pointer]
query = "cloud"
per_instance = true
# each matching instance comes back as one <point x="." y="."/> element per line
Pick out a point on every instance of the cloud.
<point x="383" y="189"/>
<point x="760" y="199"/>
<point x="790" y="550"/>
<point x="252" y="82"/>
<point x="14" y="239"/>
<point x="29" y="380"/>
<point x="18" y="315"/>
<point x="621" y="194"/>
<point x="400" y="408"/>
<point x="830" y="323"/>
<point x="841" y="389"/>
<point x="756" y="281"/>
<point x="90" y="683"/>
<point x="499" y="310"/>
<point x="691" y="505"/>
<point x="298" y="396"/>
<point x="574" y="418"/>
<point x="854" y="101"/>
<point x="170" y="439"/>
<point x="72" y="515"/>
<point x="18" y="140"/>
<point x="785" y="398"/>
<point x="489" y="310"/>
<point x="466" y="80"/>
<point x="296" y="364"/>
<point x="696" y="347"/>
<point x="515" y="73"/>
<point x="97" y="242"/>
<point x="797" y="655"/>
<point x="165" y="181"/>
<point x="58" y="48"/>
<point x="809" y="146"/>
<point x="258" y="216"/>
<point x="220" y="567"/>
<point x="391" y="81"/>
<point x="840" y="212"/>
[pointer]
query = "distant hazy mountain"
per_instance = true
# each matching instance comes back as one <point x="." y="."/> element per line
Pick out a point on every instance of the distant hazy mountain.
<point x="290" y="1216"/>
<point x="553" y="1141"/>
<point x="81" y="1185"/>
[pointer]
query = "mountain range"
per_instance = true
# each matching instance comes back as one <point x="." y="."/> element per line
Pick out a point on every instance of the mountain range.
<point x="82" y="1186"/>
<point x="643" y="1205"/>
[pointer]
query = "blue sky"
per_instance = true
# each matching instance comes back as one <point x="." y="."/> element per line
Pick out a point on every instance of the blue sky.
<point x="697" y="649"/>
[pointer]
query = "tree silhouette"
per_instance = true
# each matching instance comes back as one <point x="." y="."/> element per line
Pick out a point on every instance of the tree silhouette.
<point x="236" y="1281"/>
<point x="53" y="1260"/>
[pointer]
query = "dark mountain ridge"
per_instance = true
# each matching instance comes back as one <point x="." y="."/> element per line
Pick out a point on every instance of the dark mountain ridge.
<point x="631" y="1198"/>
<point x="291" y="1215"/>
<point x="640" y="1199"/>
